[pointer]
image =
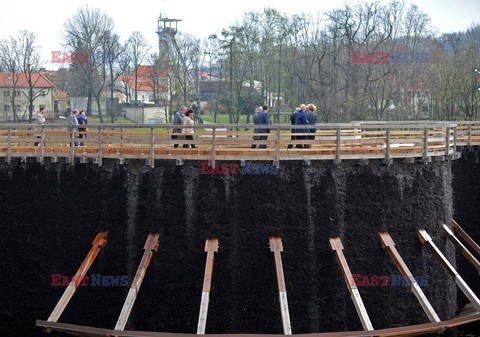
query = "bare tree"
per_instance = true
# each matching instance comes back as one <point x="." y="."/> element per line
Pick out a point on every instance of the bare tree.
<point x="138" y="50"/>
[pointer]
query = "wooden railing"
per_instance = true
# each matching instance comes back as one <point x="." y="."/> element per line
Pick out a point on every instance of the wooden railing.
<point x="234" y="142"/>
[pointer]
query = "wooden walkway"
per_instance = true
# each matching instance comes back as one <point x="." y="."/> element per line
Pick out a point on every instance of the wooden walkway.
<point x="236" y="142"/>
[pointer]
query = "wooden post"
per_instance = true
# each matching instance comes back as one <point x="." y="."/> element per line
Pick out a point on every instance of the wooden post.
<point x="426" y="239"/>
<point x="100" y="134"/>
<point x="9" y="146"/>
<point x="469" y="256"/>
<point x="211" y="247"/>
<point x="213" y="146"/>
<point x="470" y="135"/>
<point x="98" y="243"/>
<point x="466" y="237"/>
<point x="277" y="146"/>
<point x="389" y="246"/>
<point x="72" y="146"/>
<point x="455" y="139"/>
<point x="152" y="148"/>
<point x="151" y="245"/>
<point x="389" y="151"/>
<point x="42" y="145"/>
<point x="276" y="247"/>
<point x="425" y="143"/>
<point x="337" y="149"/>
<point x="337" y="246"/>
<point x="447" y="141"/>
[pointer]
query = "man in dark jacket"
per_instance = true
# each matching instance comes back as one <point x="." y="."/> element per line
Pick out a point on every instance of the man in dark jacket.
<point x="255" y="121"/>
<point x="263" y="119"/>
<point x="178" y="120"/>
<point x="301" y="119"/>
<point x="292" y="121"/>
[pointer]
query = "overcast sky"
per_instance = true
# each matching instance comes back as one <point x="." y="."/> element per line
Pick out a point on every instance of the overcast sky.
<point x="200" y="18"/>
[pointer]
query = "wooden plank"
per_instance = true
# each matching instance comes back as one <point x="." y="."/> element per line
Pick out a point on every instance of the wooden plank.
<point x="151" y="245"/>
<point x="466" y="237"/>
<point x="97" y="245"/>
<point x="469" y="256"/>
<point x="276" y="247"/>
<point x="426" y="239"/>
<point x="211" y="247"/>
<point x="389" y="245"/>
<point x="337" y="246"/>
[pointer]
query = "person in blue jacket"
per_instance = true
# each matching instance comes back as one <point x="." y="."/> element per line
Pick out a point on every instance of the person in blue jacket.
<point x="263" y="119"/>
<point x="301" y="119"/>
<point x="255" y="121"/>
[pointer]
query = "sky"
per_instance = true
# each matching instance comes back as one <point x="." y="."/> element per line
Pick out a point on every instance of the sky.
<point x="200" y="18"/>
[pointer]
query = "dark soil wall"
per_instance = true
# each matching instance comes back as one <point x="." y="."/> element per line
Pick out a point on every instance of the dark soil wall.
<point x="50" y="215"/>
<point x="466" y="185"/>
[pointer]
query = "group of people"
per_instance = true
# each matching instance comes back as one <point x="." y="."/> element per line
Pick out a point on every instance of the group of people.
<point x="77" y="118"/>
<point x="303" y="115"/>
<point x="187" y="118"/>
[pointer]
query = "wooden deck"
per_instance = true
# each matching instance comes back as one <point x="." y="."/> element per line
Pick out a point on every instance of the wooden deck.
<point x="234" y="142"/>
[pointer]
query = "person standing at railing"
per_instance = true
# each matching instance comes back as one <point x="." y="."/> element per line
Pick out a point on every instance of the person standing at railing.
<point x="292" y="121"/>
<point x="178" y="120"/>
<point x="301" y="119"/>
<point x="82" y="120"/>
<point x="312" y="120"/>
<point x="40" y="121"/>
<point x="72" y="122"/>
<point x="189" y="120"/>
<point x="255" y="121"/>
<point x="263" y="119"/>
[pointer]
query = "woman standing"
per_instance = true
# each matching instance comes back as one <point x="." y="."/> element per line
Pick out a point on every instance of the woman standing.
<point x="189" y="121"/>
<point x="39" y="123"/>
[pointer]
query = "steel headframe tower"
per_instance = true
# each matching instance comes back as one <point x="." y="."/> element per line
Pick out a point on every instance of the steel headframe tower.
<point x="167" y="28"/>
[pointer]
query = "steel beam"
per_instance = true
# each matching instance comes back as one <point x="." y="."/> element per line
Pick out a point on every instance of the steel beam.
<point x="426" y="239"/>
<point x="389" y="246"/>
<point x="276" y="247"/>
<point x="466" y="237"/>
<point x="98" y="243"/>
<point x="469" y="256"/>
<point x="151" y="244"/>
<point x="211" y="247"/>
<point x="337" y="246"/>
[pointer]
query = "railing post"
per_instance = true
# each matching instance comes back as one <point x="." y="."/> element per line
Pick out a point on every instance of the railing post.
<point x="213" y="146"/>
<point x="277" y="146"/>
<point x="447" y="141"/>
<point x="9" y="146"/>
<point x="389" y="151"/>
<point x="100" y="134"/>
<point x="72" y="145"/>
<point x="152" y="148"/>
<point x="425" y="143"/>
<point x="337" y="149"/>
<point x="455" y="139"/>
<point x="470" y="135"/>
<point x="42" y="145"/>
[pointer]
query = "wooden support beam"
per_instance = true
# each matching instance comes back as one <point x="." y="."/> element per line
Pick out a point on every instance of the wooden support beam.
<point x="426" y="239"/>
<point x="276" y="247"/>
<point x="337" y="246"/>
<point x="211" y="247"/>
<point x="466" y="237"/>
<point x="98" y="243"/>
<point x="151" y="244"/>
<point x="389" y="246"/>
<point x="469" y="256"/>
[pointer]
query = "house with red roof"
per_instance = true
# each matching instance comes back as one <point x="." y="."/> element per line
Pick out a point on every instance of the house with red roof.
<point x="151" y="84"/>
<point x="14" y="90"/>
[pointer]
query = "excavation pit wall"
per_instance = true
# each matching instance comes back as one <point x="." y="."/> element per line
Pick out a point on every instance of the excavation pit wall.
<point x="51" y="214"/>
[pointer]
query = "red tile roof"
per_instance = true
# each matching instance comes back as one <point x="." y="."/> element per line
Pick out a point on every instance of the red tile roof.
<point x="38" y="80"/>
